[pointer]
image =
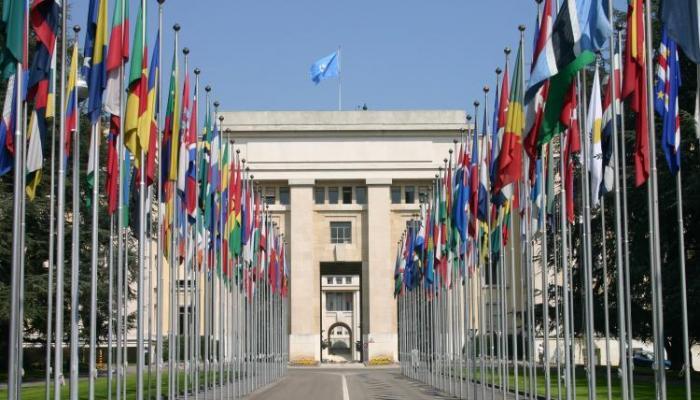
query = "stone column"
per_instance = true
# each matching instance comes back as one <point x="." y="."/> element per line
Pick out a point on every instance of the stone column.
<point x="378" y="275"/>
<point x="304" y="338"/>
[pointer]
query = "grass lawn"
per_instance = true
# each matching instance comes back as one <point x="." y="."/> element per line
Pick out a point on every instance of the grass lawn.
<point x="34" y="391"/>
<point x="643" y="384"/>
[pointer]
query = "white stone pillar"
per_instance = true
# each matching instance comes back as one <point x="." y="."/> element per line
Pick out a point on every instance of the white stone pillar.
<point x="381" y="334"/>
<point x="304" y="338"/>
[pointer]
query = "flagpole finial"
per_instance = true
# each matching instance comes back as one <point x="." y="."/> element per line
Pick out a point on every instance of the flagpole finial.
<point x="521" y="28"/>
<point x="620" y="26"/>
<point x="197" y="71"/>
<point x="538" y="1"/>
<point x="507" y="51"/>
<point x="486" y="88"/>
<point x="469" y="116"/>
<point x="454" y="141"/>
<point x="238" y="151"/>
<point x="216" y="104"/>
<point x="207" y="88"/>
<point x="221" y="119"/>
<point x="498" y="70"/>
<point x="176" y="27"/>
<point x="161" y="2"/>
<point x="76" y="28"/>
<point x="476" y="103"/>
<point x="186" y="51"/>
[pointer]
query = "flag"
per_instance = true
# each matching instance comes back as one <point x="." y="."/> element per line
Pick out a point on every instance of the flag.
<point x="7" y="127"/>
<point x="594" y="121"/>
<point x="500" y="113"/>
<point x="35" y="157"/>
<point x="184" y="127"/>
<point x="569" y="118"/>
<point x="43" y="17"/>
<point x="581" y="26"/>
<point x="14" y="30"/>
<point x="510" y="156"/>
<point x="117" y="55"/>
<point x="112" y="176"/>
<point x="149" y="118"/>
<point x="71" y="111"/>
<point x="607" y="139"/>
<point x="191" y="175"/>
<point x="535" y="107"/>
<point x="136" y="134"/>
<point x="668" y="75"/>
<point x="634" y="87"/>
<point x="172" y="124"/>
<point x="682" y="19"/>
<point x="327" y="67"/>
<point x="95" y="50"/>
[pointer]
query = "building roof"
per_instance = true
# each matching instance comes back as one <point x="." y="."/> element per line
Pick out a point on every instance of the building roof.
<point x="333" y="121"/>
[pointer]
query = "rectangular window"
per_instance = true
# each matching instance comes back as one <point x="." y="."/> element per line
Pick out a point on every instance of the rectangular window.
<point x="423" y="192"/>
<point x="182" y="323"/>
<point x="332" y="195"/>
<point x="341" y="232"/>
<point x="361" y="195"/>
<point x="339" y="301"/>
<point x="284" y="195"/>
<point x="329" y="280"/>
<point x="410" y="194"/>
<point x="347" y="194"/>
<point x="396" y="195"/>
<point x="319" y="195"/>
<point x="270" y="195"/>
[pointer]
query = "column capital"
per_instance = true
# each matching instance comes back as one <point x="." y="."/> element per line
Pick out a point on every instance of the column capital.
<point x="302" y="182"/>
<point x="378" y="181"/>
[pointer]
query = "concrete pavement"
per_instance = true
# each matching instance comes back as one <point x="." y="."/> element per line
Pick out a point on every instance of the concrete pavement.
<point x="347" y="384"/>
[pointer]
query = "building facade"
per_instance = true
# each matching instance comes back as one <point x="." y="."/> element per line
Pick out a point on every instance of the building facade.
<point x="341" y="187"/>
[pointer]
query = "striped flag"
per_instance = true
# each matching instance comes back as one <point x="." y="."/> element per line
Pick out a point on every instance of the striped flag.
<point x="118" y="55"/>
<point x="71" y="111"/>
<point x="7" y="126"/>
<point x="668" y="83"/>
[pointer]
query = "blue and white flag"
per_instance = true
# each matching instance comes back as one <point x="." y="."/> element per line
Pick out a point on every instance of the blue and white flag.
<point x="327" y="67"/>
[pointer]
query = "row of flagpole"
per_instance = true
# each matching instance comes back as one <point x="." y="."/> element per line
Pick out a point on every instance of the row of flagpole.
<point x="233" y="262"/>
<point x="466" y="246"/>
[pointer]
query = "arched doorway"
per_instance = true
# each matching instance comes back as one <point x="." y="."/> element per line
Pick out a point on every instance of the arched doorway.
<point x="340" y="342"/>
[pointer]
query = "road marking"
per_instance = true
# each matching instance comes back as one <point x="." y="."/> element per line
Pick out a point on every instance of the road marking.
<point x="346" y="395"/>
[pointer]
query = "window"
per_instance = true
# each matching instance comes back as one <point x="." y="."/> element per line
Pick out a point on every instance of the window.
<point x="396" y="195"/>
<point x="341" y="232"/>
<point x="333" y="195"/>
<point x="181" y="323"/>
<point x="270" y="195"/>
<point x="338" y="280"/>
<point x="348" y="280"/>
<point x="423" y="192"/>
<point x="329" y="280"/>
<point x="410" y="194"/>
<point x="361" y="195"/>
<point x="319" y="195"/>
<point x="284" y="195"/>
<point x="339" y="301"/>
<point x="347" y="194"/>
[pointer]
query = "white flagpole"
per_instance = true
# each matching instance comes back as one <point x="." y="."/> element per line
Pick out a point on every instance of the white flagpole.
<point x="60" y="212"/>
<point x="75" y="254"/>
<point x="52" y="246"/>
<point x="160" y="220"/>
<point x="96" y="132"/>
<point x="340" y="100"/>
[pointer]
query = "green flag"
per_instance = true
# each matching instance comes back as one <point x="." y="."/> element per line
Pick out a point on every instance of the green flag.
<point x="13" y="26"/>
<point x="558" y="86"/>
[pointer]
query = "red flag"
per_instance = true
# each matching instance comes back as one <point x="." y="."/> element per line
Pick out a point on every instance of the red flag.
<point x="569" y="118"/>
<point x="634" y="87"/>
<point x="112" y="179"/>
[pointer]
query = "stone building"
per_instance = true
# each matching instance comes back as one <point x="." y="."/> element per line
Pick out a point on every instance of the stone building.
<point x="341" y="187"/>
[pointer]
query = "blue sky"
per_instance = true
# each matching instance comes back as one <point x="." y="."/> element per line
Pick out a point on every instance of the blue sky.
<point x="396" y="54"/>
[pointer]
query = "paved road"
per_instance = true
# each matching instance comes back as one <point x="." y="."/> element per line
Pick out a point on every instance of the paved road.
<point x="346" y="384"/>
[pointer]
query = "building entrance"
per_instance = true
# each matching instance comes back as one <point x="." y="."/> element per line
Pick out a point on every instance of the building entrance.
<point x="341" y="312"/>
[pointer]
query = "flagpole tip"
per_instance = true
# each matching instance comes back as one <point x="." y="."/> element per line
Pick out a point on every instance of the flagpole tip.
<point x="476" y="103"/>
<point x="76" y="28"/>
<point x="498" y="70"/>
<point x="161" y="2"/>
<point x="521" y="28"/>
<point x="221" y="118"/>
<point x="620" y="26"/>
<point x="216" y="103"/>
<point x="186" y="51"/>
<point x="486" y="88"/>
<point x="469" y="117"/>
<point x="197" y="71"/>
<point x="176" y="27"/>
<point x="207" y="88"/>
